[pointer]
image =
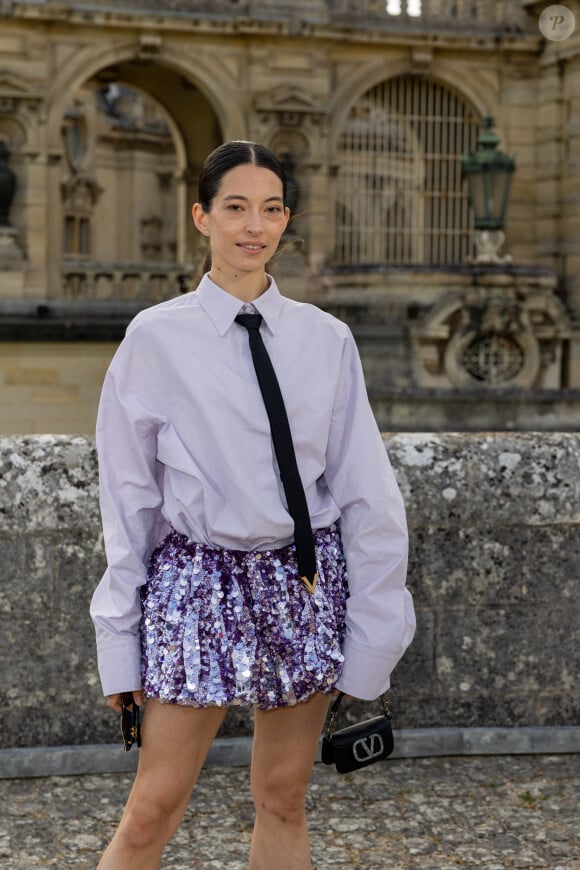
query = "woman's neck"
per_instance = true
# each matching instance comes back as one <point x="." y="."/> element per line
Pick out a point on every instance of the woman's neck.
<point x="245" y="286"/>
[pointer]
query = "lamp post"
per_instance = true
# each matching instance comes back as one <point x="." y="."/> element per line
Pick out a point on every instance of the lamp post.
<point x="488" y="173"/>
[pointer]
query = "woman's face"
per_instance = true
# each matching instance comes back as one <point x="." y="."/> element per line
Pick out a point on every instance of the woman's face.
<point x="246" y="219"/>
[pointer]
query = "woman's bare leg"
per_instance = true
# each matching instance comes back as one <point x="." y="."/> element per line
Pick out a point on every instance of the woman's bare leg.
<point x="285" y="742"/>
<point x="176" y="740"/>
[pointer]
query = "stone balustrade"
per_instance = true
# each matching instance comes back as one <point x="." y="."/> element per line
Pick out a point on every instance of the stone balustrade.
<point x="446" y="15"/>
<point x="494" y="569"/>
<point x="146" y="283"/>
<point x="436" y="14"/>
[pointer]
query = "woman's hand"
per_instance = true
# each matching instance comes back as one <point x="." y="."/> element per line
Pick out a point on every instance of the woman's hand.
<point x="114" y="701"/>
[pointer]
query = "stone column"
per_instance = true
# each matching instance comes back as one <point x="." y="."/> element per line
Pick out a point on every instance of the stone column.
<point x="49" y="239"/>
<point x="517" y="119"/>
<point x="571" y="188"/>
<point x="549" y="167"/>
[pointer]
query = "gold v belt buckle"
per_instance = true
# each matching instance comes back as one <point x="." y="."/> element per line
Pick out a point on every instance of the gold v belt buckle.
<point x="310" y="584"/>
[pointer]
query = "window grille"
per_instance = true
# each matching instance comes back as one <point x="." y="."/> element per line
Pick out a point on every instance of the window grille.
<point x="494" y="359"/>
<point x="400" y="199"/>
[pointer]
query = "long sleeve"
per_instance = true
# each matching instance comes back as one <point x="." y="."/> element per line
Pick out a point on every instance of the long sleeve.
<point x="380" y="614"/>
<point x="130" y="499"/>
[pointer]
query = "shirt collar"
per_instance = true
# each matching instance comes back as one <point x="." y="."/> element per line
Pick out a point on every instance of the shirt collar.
<point x="222" y="308"/>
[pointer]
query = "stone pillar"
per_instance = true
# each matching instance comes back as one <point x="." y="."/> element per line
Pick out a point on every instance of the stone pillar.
<point x="49" y="240"/>
<point x="321" y="220"/>
<point x="517" y="121"/>
<point x="571" y="188"/>
<point x="549" y="163"/>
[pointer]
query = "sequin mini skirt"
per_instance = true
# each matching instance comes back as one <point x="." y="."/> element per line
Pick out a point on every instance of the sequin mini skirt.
<point x="226" y="627"/>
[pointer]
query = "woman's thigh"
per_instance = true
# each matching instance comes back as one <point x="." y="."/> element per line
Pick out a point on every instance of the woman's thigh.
<point x="175" y="742"/>
<point x="285" y="743"/>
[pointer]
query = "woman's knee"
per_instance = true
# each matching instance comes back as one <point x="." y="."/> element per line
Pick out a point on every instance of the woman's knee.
<point x="280" y="797"/>
<point x="146" y="824"/>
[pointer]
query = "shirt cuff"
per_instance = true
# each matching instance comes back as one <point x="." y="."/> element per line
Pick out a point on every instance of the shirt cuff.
<point x="120" y="667"/>
<point x="365" y="675"/>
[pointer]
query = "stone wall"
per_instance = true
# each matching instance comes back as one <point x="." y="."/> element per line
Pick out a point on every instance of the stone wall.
<point x="52" y="386"/>
<point x="495" y="565"/>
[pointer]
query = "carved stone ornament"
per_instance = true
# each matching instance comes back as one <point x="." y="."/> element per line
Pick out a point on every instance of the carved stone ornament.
<point x="81" y="192"/>
<point x="13" y="91"/>
<point x="490" y="338"/>
<point x="290" y="104"/>
<point x="494" y="345"/>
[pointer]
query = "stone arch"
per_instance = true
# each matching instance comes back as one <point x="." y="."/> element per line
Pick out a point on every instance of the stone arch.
<point x="479" y="93"/>
<point x="218" y="87"/>
<point x="397" y="149"/>
<point x="166" y="76"/>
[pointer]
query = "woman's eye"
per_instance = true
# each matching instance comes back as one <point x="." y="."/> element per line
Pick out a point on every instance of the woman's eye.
<point x="234" y="207"/>
<point x="274" y="209"/>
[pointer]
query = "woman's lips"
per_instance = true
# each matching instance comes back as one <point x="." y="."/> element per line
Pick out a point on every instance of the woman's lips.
<point x="251" y="248"/>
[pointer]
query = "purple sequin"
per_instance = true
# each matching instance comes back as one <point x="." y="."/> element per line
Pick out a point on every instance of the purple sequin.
<point x="227" y="627"/>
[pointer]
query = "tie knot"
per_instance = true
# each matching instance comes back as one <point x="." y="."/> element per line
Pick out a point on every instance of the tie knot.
<point x="250" y="321"/>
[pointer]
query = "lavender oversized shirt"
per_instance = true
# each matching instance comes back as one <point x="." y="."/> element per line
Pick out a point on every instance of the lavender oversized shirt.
<point x="184" y="441"/>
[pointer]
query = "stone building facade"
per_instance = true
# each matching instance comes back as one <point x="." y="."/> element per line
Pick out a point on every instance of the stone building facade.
<point x="107" y="111"/>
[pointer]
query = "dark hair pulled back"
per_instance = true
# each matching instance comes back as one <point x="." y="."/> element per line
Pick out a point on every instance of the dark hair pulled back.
<point x="228" y="156"/>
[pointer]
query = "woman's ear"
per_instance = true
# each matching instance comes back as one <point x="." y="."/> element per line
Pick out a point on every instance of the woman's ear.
<point x="200" y="219"/>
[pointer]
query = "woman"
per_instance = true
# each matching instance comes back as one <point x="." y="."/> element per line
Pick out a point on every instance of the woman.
<point x="202" y="606"/>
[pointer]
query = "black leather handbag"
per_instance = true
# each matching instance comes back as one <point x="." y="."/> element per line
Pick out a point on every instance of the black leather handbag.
<point x="130" y="721"/>
<point x="357" y="745"/>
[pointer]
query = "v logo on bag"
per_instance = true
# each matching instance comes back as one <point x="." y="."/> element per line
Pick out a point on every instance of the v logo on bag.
<point x="368" y="748"/>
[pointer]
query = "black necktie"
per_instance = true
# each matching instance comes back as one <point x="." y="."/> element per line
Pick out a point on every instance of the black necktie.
<point x="284" y="449"/>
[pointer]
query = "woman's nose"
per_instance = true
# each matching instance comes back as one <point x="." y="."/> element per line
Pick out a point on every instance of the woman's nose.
<point x="254" y="222"/>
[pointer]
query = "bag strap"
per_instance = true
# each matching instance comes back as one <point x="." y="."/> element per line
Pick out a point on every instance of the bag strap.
<point x="336" y="706"/>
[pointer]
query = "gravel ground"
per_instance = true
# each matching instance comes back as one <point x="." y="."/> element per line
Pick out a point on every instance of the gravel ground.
<point x="476" y="812"/>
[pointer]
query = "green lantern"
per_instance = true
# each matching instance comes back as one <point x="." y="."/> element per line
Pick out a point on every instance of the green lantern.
<point x="488" y="173"/>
